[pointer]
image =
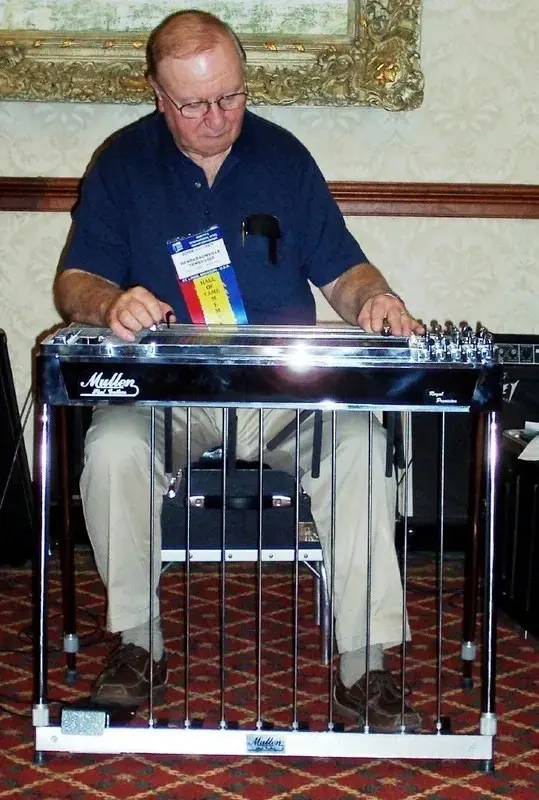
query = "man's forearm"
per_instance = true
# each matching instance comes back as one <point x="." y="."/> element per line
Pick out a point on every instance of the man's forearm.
<point x="83" y="297"/>
<point x="348" y="294"/>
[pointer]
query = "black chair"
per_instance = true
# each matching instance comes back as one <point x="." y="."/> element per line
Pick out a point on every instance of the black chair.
<point x="266" y="518"/>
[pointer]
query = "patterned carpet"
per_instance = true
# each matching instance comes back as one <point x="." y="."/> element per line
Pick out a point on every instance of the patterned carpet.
<point x="235" y="778"/>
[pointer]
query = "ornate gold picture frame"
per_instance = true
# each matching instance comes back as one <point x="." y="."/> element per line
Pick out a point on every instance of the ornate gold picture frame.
<point x="374" y="61"/>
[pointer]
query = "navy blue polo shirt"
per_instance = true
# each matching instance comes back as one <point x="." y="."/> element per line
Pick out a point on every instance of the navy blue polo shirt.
<point x="142" y="191"/>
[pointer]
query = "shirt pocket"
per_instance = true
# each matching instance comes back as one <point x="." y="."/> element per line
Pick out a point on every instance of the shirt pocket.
<point x="265" y="284"/>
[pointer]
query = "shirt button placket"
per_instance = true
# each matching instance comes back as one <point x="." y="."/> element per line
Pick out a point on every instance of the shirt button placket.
<point x="198" y="185"/>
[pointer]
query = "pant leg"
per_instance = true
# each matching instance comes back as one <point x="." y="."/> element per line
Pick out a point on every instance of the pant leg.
<point x="115" y="491"/>
<point x="351" y="528"/>
<point x="351" y="532"/>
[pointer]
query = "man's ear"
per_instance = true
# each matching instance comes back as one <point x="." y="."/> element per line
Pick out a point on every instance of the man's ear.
<point x="155" y="89"/>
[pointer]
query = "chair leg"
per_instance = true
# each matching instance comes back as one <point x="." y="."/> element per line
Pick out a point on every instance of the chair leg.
<point x="67" y="560"/>
<point x="325" y="615"/>
<point x="316" y="596"/>
<point x="471" y="562"/>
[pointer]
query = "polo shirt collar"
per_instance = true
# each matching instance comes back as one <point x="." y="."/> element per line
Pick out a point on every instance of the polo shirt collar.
<point x="240" y="149"/>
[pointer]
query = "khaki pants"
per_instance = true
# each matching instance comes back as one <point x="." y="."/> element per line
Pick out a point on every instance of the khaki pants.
<point x="115" y="493"/>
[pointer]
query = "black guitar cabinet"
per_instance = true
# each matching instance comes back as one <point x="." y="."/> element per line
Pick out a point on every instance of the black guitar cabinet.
<point x="242" y="508"/>
<point x="16" y="494"/>
<point x="518" y="534"/>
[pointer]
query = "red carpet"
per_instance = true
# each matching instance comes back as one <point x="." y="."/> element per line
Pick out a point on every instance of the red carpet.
<point x="210" y="778"/>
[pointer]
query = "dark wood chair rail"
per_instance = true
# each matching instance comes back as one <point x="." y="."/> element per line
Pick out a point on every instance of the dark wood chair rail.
<point x="355" y="198"/>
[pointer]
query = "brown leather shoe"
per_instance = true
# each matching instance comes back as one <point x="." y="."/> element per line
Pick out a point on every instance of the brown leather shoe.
<point x="385" y="703"/>
<point x="125" y="680"/>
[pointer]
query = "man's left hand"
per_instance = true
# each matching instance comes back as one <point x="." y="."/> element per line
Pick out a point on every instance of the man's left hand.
<point x="384" y="307"/>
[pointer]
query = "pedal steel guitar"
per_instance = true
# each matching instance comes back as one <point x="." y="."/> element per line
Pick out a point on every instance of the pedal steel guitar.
<point x="327" y="367"/>
<point x="307" y="367"/>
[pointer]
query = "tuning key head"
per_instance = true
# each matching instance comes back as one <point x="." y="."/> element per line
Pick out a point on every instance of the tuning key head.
<point x="450" y="329"/>
<point x="386" y="328"/>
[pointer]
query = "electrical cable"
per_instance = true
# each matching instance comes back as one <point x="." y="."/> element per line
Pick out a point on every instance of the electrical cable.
<point x="25" y="414"/>
<point x="94" y="636"/>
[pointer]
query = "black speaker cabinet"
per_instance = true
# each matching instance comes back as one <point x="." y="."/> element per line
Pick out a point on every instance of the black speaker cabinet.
<point x="518" y="534"/>
<point x="521" y="404"/>
<point x="423" y="524"/>
<point x="16" y="493"/>
<point x="426" y="440"/>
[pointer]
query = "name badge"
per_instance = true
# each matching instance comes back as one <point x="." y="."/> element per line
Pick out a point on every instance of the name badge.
<point x="207" y="278"/>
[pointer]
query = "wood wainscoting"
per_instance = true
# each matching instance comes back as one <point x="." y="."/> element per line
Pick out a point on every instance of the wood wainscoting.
<point x="355" y="198"/>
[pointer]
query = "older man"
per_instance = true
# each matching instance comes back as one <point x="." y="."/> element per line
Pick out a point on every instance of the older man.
<point x="203" y="163"/>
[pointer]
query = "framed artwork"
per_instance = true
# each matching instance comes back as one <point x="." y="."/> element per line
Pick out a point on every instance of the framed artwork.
<point x="303" y="52"/>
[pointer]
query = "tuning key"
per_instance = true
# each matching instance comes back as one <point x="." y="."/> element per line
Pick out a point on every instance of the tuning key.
<point x="386" y="328"/>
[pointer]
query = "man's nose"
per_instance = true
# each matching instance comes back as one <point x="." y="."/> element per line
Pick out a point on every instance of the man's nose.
<point x="215" y="116"/>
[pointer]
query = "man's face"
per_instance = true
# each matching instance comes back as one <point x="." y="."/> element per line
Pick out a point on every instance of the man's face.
<point x="206" y="76"/>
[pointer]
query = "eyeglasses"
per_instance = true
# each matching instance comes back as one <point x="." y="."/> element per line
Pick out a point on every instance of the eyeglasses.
<point x="228" y="102"/>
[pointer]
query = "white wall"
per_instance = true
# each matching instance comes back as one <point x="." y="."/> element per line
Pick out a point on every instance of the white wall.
<point x="479" y="123"/>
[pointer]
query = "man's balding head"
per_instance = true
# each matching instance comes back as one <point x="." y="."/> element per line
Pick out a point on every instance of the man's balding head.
<point x="187" y="33"/>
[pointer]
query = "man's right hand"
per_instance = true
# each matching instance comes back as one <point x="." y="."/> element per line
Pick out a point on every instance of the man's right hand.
<point x="133" y="310"/>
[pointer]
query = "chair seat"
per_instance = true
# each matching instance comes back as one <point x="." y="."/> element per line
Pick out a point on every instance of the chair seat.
<point x="312" y="553"/>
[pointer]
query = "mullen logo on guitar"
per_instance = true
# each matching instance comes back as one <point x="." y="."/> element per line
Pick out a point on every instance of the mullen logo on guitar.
<point x="115" y="386"/>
